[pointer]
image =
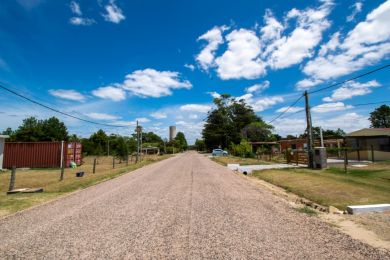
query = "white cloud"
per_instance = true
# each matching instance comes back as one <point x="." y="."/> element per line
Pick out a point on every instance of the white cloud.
<point x="158" y="115"/>
<point x="114" y="13"/>
<point x="348" y="122"/>
<point x="189" y="66"/>
<point x="78" y="19"/>
<point x="193" y="116"/>
<point x="258" y="87"/>
<point x="110" y="92"/>
<point x="357" y="8"/>
<point x="307" y="83"/>
<point x="142" y="120"/>
<point x="214" y="38"/>
<point x="75" y="8"/>
<point x="67" y="94"/>
<point x="101" y="116"/>
<point x="292" y="49"/>
<point x="272" y="29"/>
<point x="81" y="21"/>
<point x="260" y="104"/>
<point x="364" y="45"/>
<point x="351" y="89"/>
<point x="195" y="108"/>
<point x="248" y="54"/>
<point x="214" y="94"/>
<point x="241" y="59"/>
<point x="330" y="107"/>
<point x="290" y="109"/>
<point x="153" y="83"/>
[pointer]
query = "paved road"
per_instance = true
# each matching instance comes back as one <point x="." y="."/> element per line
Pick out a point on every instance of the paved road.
<point x="186" y="207"/>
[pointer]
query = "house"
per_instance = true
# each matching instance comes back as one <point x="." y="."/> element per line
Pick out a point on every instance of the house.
<point x="369" y="144"/>
<point x="300" y="144"/>
<point x="2" y="142"/>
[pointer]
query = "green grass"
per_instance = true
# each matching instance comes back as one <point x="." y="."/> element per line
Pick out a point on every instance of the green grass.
<point x="307" y="210"/>
<point x="332" y="186"/>
<point x="53" y="188"/>
<point x="225" y="160"/>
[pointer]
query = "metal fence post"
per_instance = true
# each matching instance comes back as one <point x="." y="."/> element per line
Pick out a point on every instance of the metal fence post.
<point x="62" y="172"/>
<point x="12" y="179"/>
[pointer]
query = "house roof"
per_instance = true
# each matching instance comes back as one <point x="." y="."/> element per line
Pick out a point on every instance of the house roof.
<point x="370" y="132"/>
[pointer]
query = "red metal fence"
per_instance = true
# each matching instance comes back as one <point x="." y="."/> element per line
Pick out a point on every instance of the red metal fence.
<point x="40" y="154"/>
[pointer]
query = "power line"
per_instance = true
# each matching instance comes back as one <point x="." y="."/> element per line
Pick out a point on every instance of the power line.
<point x="56" y="110"/>
<point x="355" y="105"/>
<point x="351" y="79"/>
<point x="286" y="110"/>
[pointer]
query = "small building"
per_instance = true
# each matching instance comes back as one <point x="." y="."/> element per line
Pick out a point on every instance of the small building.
<point x="369" y="144"/>
<point x="2" y="143"/>
<point x="300" y="144"/>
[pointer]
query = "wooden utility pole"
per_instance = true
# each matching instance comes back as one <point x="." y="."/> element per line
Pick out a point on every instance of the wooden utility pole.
<point x="137" y="155"/>
<point x="309" y="132"/>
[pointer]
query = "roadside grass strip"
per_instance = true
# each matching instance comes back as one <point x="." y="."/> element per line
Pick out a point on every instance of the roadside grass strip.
<point x="48" y="179"/>
<point x="332" y="186"/>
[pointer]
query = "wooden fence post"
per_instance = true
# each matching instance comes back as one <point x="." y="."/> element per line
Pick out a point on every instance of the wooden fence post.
<point x="372" y="153"/>
<point x="12" y="179"/>
<point x="113" y="162"/>
<point x="345" y="160"/>
<point x="94" y="165"/>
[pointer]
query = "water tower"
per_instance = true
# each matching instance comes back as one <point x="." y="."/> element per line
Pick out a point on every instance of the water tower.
<point x="172" y="132"/>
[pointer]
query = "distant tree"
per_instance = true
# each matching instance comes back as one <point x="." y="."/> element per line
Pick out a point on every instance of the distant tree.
<point x="10" y="133"/>
<point x="181" y="141"/>
<point x="98" y="142"/>
<point x="225" y="123"/>
<point x="151" y="137"/>
<point x="258" y="131"/>
<point x="380" y="117"/>
<point x="291" y="137"/>
<point x="74" y="138"/>
<point x="30" y="131"/>
<point x="339" y="133"/>
<point x="54" y="130"/>
<point x="200" y="145"/>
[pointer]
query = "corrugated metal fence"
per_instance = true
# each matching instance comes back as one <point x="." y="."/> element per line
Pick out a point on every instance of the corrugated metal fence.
<point x="36" y="154"/>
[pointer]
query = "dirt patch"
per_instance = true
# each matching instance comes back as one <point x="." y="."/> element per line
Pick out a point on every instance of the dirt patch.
<point x="376" y="222"/>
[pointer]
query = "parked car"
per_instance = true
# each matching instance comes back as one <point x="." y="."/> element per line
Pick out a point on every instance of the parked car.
<point x="219" y="152"/>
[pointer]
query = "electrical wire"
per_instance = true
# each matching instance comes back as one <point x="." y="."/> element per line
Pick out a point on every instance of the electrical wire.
<point x="350" y="79"/>
<point x="286" y="110"/>
<point x="56" y="110"/>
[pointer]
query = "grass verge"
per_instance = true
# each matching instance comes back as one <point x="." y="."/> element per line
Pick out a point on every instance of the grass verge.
<point x="307" y="210"/>
<point x="53" y="188"/>
<point x="332" y="186"/>
<point x="225" y="160"/>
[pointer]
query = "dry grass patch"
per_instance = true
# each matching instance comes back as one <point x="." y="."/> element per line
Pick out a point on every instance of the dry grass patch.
<point x="225" y="160"/>
<point x="49" y="180"/>
<point x="334" y="187"/>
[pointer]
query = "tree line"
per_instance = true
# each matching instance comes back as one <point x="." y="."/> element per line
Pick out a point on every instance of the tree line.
<point x="233" y="124"/>
<point x="99" y="143"/>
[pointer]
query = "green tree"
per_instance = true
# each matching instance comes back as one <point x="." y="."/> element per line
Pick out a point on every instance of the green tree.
<point x="181" y="141"/>
<point x="380" y="117"/>
<point x="54" y="130"/>
<point x="200" y="145"/>
<point x="225" y="124"/>
<point x="258" y="131"/>
<point x="30" y="131"/>
<point x="98" y="142"/>
<point x="243" y="149"/>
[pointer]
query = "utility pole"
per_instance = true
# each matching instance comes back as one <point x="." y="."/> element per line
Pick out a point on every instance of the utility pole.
<point x="322" y="137"/>
<point x="137" y="155"/>
<point x="141" y="143"/>
<point x="309" y="132"/>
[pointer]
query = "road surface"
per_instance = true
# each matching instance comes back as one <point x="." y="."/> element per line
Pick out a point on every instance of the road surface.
<point x="185" y="207"/>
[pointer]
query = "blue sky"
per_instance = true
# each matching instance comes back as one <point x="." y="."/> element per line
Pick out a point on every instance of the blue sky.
<point x="161" y="62"/>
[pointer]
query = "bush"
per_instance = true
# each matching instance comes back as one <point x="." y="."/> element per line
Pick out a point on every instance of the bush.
<point x="243" y="149"/>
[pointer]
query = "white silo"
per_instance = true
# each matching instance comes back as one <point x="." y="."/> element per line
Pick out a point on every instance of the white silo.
<point x="172" y="132"/>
